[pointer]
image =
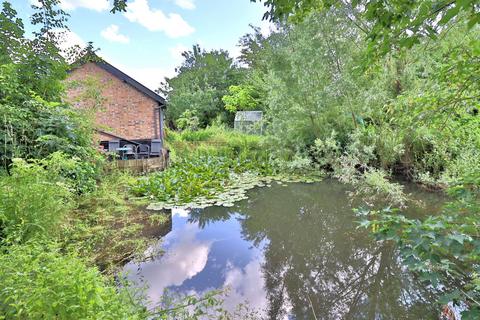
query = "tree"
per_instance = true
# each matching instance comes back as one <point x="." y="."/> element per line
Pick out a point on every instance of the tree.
<point x="202" y="80"/>
<point x="241" y="98"/>
<point x="310" y="80"/>
<point x="253" y="47"/>
<point x="38" y="61"/>
<point x="34" y="120"/>
<point x="388" y="23"/>
<point x="11" y="34"/>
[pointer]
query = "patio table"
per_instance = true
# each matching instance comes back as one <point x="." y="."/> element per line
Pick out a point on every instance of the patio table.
<point x="123" y="152"/>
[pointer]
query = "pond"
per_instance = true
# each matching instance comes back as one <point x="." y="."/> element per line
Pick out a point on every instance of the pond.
<point x="290" y="252"/>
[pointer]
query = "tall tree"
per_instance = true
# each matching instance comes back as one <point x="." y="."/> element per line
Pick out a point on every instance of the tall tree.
<point x="38" y="61"/>
<point x="34" y="121"/>
<point x="202" y="80"/>
<point x="309" y="79"/>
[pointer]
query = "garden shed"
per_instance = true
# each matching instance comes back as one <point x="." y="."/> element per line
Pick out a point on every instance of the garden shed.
<point x="249" y="122"/>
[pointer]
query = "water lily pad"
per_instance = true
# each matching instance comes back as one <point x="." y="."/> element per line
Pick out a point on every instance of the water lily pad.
<point x="156" y="206"/>
<point x="232" y="191"/>
<point x="228" y="204"/>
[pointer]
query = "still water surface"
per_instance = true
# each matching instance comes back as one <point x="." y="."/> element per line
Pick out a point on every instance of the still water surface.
<point x="289" y="252"/>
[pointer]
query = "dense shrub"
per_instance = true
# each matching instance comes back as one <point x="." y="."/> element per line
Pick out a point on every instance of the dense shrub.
<point x="33" y="202"/>
<point x="39" y="282"/>
<point x="443" y="250"/>
<point x="107" y="227"/>
<point x="33" y="128"/>
<point x="203" y="162"/>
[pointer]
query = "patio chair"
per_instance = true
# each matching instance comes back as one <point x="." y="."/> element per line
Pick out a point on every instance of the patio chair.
<point x="156" y="148"/>
<point x="143" y="151"/>
<point x="131" y="152"/>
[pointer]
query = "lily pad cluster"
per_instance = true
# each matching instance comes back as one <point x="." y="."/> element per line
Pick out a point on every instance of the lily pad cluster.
<point x="201" y="181"/>
<point x="234" y="192"/>
<point x="231" y="193"/>
<point x="284" y="178"/>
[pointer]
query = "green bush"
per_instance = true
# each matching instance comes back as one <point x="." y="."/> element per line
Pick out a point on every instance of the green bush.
<point x="443" y="250"/>
<point x="33" y="202"/>
<point x="34" y="128"/>
<point x="188" y="120"/>
<point x="107" y="227"/>
<point x="200" y="175"/>
<point x="39" y="282"/>
<point x="195" y="136"/>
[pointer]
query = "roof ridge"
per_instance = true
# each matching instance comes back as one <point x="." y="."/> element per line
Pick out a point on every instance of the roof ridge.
<point x="131" y="81"/>
<point x="102" y="63"/>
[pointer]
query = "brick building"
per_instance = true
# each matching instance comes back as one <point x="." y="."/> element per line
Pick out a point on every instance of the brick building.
<point x="129" y="111"/>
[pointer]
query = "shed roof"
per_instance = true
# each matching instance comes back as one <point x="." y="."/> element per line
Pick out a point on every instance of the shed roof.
<point x="253" y="116"/>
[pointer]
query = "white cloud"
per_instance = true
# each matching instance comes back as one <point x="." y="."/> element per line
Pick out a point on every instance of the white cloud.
<point x="235" y="52"/>
<point x="176" y="53"/>
<point x="67" y="40"/>
<point x="182" y="213"/>
<point x="112" y="33"/>
<point x="267" y="28"/>
<point x="185" y="4"/>
<point x="155" y="20"/>
<point x="97" y="5"/>
<point x="151" y="76"/>
<point x="246" y="285"/>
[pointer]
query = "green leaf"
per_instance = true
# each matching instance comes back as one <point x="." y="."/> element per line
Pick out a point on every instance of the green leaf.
<point x="460" y="238"/>
<point x="449" y="297"/>
<point x="449" y="15"/>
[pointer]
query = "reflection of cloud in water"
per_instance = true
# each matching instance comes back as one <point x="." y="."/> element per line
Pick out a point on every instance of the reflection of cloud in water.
<point x="187" y="255"/>
<point x="184" y="259"/>
<point x="246" y="285"/>
<point x="288" y="252"/>
<point x="183" y="213"/>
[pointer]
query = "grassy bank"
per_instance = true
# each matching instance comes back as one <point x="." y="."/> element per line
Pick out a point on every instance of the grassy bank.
<point x="59" y="247"/>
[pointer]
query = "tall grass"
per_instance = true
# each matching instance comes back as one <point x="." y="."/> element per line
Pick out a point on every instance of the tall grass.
<point x="216" y="141"/>
<point x="33" y="202"/>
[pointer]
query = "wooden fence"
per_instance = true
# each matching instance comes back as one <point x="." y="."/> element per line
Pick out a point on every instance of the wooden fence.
<point x="141" y="165"/>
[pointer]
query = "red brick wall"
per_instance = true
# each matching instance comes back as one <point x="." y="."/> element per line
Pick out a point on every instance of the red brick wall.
<point x="125" y="111"/>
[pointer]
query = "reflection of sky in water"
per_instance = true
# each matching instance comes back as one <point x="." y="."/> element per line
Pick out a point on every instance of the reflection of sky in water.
<point x="198" y="260"/>
<point x="289" y="252"/>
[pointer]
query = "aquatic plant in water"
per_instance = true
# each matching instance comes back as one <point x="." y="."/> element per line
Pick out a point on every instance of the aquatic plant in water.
<point x="209" y="181"/>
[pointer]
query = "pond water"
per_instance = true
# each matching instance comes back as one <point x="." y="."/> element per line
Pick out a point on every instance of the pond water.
<point x="291" y="252"/>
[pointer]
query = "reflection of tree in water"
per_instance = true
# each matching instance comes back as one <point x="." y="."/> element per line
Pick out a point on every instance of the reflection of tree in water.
<point x="215" y="214"/>
<point x="316" y="259"/>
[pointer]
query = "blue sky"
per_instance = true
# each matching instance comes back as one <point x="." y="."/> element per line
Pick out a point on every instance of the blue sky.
<point x="147" y="40"/>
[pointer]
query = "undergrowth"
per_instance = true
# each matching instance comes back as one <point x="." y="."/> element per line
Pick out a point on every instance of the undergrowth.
<point x="108" y="225"/>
